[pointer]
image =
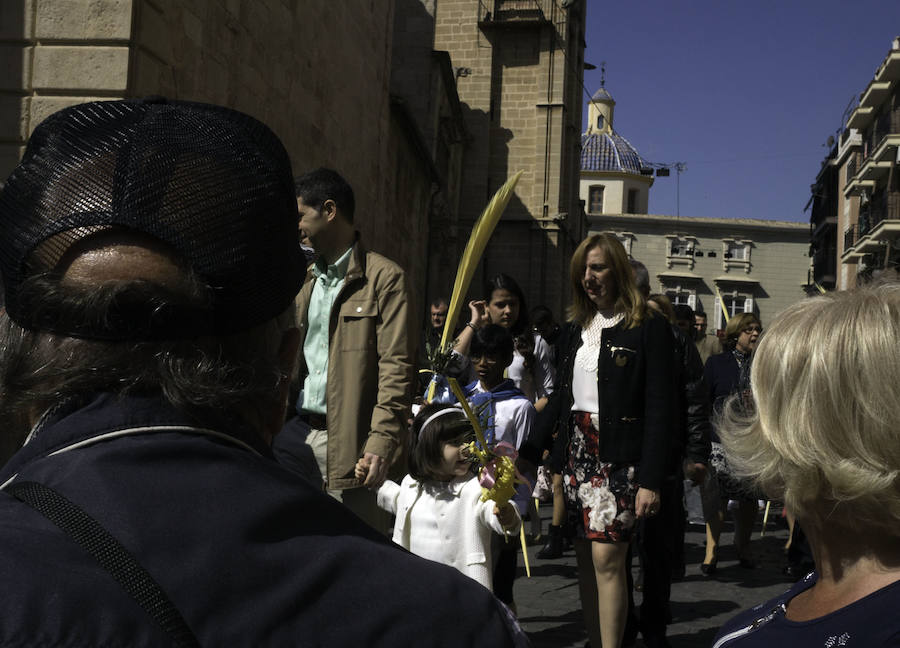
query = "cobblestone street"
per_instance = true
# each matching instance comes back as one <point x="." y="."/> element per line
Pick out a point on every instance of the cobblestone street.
<point x="550" y="612"/>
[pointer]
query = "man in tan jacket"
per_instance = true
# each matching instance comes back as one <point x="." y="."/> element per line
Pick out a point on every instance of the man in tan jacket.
<point x="354" y="364"/>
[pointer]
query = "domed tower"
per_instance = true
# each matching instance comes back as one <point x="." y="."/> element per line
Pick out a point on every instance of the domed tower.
<point x="611" y="180"/>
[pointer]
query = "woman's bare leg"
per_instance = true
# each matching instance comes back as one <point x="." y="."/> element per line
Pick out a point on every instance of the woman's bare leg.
<point x="559" y="500"/>
<point x="604" y="594"/>
<point x="714" y="514"/>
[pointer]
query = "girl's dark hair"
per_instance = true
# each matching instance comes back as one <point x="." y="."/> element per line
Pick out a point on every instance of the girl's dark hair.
<point x="492" y="340"/>
<point x="523" y="338"/>
<point x="426" y="449"/>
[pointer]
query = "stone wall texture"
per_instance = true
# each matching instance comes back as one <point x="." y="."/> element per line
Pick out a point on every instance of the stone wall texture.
<point x="53" y="54"/>
<point x="317" y="72"/>
<point x="519" y="81"/>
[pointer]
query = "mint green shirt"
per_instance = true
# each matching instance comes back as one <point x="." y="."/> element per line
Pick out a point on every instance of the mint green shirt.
<point x="328" y="282"/>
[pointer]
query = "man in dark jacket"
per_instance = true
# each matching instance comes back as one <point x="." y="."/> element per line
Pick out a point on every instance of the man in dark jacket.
<point x="150" y="260"/>
<point x="661" y="538"/>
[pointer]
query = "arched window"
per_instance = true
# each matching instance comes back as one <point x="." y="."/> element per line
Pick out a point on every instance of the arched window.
<point x="599" y="122"/>
<point x="595" y="199"/>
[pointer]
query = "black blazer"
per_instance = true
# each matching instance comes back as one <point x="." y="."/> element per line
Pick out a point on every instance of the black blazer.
<point x="635" y="385"/>
<point x="723" y="378"/>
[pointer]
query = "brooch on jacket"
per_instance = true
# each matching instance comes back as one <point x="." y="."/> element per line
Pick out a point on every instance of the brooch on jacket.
<point x="620" y="355"/>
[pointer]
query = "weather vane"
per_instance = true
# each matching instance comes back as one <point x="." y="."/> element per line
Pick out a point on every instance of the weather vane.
<point x="602" y="74"/>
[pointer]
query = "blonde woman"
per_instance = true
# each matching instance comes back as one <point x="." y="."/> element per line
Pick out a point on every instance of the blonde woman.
<point x="825" y="438"/>
<point x="616" y="415"/>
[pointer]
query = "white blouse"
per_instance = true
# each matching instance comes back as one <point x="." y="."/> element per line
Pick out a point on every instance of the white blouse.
<point x="585" y="371"/>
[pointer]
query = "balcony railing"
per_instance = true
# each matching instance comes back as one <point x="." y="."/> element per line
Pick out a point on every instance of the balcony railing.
<point x="875" y="217"/>
<point x="863" y="225"/>
<point x="519" y="11"/>
<point x="824" y="262"/>
<point x="849" y="237"/>
<point x="851" y="167"/>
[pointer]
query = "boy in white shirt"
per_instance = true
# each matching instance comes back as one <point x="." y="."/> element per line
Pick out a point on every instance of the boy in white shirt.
<point x="507" y="417"/>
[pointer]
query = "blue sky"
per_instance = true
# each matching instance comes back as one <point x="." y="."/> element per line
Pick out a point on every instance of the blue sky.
<point x="744" y="92"/>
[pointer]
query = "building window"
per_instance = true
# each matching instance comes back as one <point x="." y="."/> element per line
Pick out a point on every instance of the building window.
<point x="736" y="254"/>
<point x="625" y="238"/>
<point x="599" y="122"/>
<point x="734" y="303"/>
<point x="595" y="199"/>
<point x="679" y="296"/>
<point x="681" y="247"/>
<point x="632" y="201"/>
<point x="680" y="250"/>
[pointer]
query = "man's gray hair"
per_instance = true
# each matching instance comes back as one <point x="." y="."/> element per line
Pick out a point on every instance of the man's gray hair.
<point x="236" y="375"/>
<point x="641" y="277"/>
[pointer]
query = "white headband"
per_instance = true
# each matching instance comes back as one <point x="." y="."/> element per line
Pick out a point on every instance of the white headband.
<point x="439" y="414"/>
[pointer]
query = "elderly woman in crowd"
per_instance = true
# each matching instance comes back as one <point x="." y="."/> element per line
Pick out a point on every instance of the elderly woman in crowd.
<point x="825" y="438"/>
<point x="616" y="412"/>
<point x="726" y="374"/>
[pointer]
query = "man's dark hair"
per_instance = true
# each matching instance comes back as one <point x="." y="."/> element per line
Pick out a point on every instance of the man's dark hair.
<point x="541" y="315"/>
<point x="315" y="187"/>
<point x="492" y="340"/>
<point x="685" y="312"/>
<point x="437" y="301"/>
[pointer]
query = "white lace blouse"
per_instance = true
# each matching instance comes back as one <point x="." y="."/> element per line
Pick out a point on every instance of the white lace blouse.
<point x="586" y="366"/>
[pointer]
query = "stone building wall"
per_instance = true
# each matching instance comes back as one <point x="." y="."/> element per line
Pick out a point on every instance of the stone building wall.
<point x="53" y="54"/>
<point x="775" y="276"/>
<point x="520" y="85"/>
<point x="318" y="72"/>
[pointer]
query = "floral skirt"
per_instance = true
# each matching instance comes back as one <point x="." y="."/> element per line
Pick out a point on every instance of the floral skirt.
<point x="599" y="495"/>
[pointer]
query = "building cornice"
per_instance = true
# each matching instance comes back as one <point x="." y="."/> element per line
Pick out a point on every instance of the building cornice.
<point x="616" y="175"/>
<point x="687" y="222"/>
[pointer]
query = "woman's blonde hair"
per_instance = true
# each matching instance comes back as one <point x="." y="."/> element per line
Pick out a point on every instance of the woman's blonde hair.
<point x="737" y="324"/>
<point x="629" y="301"/>
<point x="825" y="433"/>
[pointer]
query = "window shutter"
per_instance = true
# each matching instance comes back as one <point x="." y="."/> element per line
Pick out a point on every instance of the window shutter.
<point x="748" y="305"/>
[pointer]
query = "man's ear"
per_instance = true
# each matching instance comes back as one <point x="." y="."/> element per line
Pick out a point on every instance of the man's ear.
<point x="329" y="210"/>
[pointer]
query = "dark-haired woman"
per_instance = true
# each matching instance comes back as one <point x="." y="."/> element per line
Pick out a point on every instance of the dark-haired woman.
<point x="616" y="416"/>
<point x="504" y="304"/>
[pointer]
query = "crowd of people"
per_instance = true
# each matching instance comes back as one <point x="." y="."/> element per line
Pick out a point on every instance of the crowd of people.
<point x="222" y="437"/>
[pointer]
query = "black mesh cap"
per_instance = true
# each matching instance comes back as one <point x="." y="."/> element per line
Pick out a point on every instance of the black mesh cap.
<point x="213" y="184"/>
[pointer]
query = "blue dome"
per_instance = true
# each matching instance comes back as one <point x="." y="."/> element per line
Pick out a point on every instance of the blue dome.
<point x="609" y="152"/>
<point x="602" y="95"/>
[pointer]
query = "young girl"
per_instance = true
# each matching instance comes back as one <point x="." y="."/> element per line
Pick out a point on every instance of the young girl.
<point x="440" y="515"/>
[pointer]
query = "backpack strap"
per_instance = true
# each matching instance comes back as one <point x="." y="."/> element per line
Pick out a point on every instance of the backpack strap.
<point x="111" y="555"/>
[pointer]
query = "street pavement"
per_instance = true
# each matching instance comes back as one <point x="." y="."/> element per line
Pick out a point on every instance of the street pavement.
<point x="550" y="611"/>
